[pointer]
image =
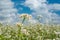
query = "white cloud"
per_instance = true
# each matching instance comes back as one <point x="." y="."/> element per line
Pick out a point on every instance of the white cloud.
<point x="7" y="11"/>
<point x="34" y="3"/>
<point x="55" y="19"/>
<point x="8" y="14"/>
<point x="54" y="6"/>
<point x="41" y="8"/>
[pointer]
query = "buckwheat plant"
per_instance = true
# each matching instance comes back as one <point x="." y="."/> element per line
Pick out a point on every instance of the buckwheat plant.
<point x="25" y="16"/>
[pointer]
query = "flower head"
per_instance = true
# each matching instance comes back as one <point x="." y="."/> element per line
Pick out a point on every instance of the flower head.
<point x="24" y="31"/>
<point x="25" y="16"/>
<point x="19" y="24"/>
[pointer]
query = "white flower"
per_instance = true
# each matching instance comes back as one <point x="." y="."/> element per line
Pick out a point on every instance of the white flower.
<point x="25" y="16"/>
<point x="57" y="32"/>
<point x="24" y="31"/>
<point x="19" y="24"/>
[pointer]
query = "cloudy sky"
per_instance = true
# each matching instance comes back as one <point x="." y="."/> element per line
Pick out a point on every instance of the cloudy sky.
<point x="48" y="9"/>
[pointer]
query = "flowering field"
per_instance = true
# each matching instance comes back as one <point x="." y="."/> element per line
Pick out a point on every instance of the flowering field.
<point x="36" y="31"/>
<point x="30" y="32"/>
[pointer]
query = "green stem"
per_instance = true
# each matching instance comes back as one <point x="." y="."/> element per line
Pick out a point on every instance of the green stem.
<point x="23" y="20"/>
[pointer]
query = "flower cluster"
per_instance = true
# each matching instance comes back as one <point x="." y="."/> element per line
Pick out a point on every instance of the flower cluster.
<point x="19" y="24"/>
<point x="27" y="16"/>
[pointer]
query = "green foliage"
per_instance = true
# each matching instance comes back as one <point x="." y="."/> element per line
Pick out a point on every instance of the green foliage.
<point x="32" y="32"/>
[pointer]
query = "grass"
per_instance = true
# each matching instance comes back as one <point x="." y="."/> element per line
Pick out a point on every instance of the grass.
<point x="29" y="32"/>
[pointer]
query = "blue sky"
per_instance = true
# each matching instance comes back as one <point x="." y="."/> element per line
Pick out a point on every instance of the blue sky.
<point x="11" y="9"/>
<point x="53" y="1"/>
<point x="27" y="9"/>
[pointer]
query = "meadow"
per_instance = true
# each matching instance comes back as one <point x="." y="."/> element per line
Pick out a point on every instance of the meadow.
<point x="36" y="31"/>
